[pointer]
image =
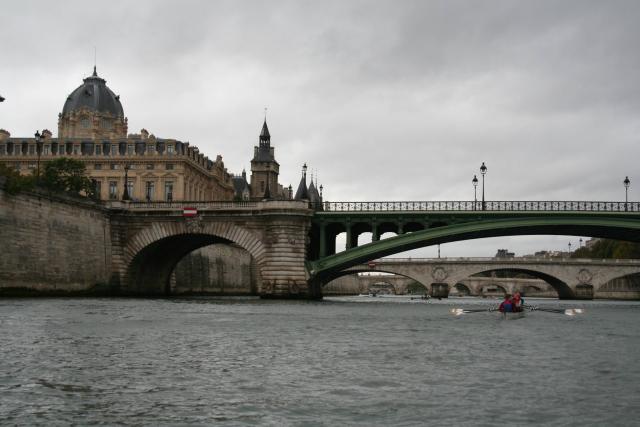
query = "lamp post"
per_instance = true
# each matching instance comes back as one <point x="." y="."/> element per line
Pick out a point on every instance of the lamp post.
<point x="290" y="192"/>
<point x="483" y="171"/>
<point x="569" y="248"/>
<point x="39" y="141"/>
<point x="627" y="183"/>
<point x="474" y="181"/>
<point x="125" y="193"/>
<point x="580" y="241"/>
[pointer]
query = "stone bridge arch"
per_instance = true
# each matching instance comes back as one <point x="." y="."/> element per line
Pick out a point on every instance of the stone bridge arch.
<point x="441" y="277"/>
<point x="399" y="281"/>
<point x="148" y="240"/>
<point x="152" y="253"/>
<point x="570" y="278"/>
<point x="562" y="287"/>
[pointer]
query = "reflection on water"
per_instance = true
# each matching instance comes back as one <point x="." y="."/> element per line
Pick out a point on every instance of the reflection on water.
<point x="342" y="361"/>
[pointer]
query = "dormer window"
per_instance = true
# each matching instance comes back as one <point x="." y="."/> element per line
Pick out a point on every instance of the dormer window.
<point x="105" y="123"/>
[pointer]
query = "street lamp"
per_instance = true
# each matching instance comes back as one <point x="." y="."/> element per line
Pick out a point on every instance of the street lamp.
<point x="483" y="171"/>
<point x="125" y="194"/>
<point x="580" y="241"/>
<point x="569" y="248"/>
<point x="474" y="181"/>
<point x="39" y="141"/>
<point x="290" y="192"/>
<point x="627" y="183"/>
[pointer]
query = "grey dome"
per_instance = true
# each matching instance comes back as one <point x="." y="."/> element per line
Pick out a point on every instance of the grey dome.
<point x="95" y="95"/>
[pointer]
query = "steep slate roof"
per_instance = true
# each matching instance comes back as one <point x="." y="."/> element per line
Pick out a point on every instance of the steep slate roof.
<point x="95" y="95"/>
<point x="302" y="192"/>
<point x="240" y="184"/>
<point x="264" y="134"/>
<point x="264" y="154"/>
<point x="314" y="196"/>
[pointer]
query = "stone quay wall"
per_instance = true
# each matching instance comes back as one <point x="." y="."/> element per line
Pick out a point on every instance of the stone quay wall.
<point x="52" y="244"/>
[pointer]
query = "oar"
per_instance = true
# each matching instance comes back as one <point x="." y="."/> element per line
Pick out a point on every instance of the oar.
<point x="568" y="311"/>
<point x="461" y="311"/>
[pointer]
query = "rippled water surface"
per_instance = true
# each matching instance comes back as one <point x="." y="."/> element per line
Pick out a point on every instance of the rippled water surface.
<point x="342" y="361"/>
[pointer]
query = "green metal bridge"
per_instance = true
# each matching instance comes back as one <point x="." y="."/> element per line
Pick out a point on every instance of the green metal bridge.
<point x="420" y="224"/>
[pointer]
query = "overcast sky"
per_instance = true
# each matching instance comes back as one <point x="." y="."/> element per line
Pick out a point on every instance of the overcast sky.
<point x="384" y="100"/>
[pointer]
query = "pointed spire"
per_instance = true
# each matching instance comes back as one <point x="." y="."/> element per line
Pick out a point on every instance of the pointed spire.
<point x="303" y="193"/>
<point x="95" y="73"/>
<point x="265" y="137"/>
<point x="264" y="134"/>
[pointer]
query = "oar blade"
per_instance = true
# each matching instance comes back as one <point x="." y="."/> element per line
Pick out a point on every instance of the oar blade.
<point x="461" y="311"/>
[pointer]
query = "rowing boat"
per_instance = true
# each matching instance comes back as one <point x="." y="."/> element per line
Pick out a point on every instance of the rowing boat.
<point x="512" y="315"/>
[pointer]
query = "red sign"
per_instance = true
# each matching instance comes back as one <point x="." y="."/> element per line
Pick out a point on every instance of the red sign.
<point x="188" y="212"/>
<point x="371" y="264"/>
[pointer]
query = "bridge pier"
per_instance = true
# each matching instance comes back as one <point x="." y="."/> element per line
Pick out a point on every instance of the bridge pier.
<point x="584" y="291"/>
<point x="439" y="290"/>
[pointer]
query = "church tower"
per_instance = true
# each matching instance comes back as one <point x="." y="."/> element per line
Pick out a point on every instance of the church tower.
<point x="264" y="168"/>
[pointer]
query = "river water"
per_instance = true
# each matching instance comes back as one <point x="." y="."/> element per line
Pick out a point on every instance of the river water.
<point x="342" y="361"/>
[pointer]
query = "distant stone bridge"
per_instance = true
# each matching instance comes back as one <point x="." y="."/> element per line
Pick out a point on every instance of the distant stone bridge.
<point x="571" y="278"/>
<point x="473" y="286"/>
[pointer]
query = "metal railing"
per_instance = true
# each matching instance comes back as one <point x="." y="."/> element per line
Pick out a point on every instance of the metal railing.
<point x="179" y="205"/>
<point x="549" y="260"/>
<point x="493" y="206"/>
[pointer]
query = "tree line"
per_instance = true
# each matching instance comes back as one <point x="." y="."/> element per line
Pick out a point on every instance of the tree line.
<point x="607" y="248"/>
<point x="63" y="175"/>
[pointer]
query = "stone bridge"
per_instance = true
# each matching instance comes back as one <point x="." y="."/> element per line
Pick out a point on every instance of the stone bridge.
<point x="473" y="286"/>
<point x="571" y="278"/>
<point x="149" y="239"/>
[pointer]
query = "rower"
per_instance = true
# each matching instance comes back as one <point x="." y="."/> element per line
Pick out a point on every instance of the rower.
<point x="506" y="306"/>
<point x="517" y="302"/>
